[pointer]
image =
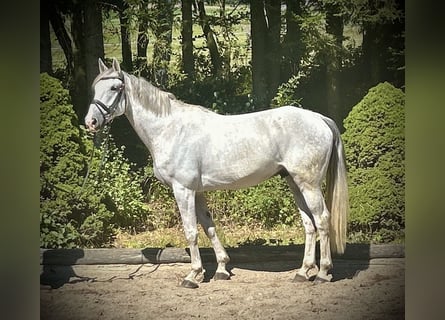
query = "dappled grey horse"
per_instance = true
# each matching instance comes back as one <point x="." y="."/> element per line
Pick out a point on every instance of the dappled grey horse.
<point x="196" y="150"/>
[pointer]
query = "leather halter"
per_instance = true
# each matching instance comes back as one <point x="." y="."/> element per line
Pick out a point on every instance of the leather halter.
<point x="107" y="111"/>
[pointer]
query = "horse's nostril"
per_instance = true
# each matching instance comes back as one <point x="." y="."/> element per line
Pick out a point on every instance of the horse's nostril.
<point x="94" y="121"/>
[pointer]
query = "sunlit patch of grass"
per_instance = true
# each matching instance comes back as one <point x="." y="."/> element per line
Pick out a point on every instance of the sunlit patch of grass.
<point x="230" y="236"/>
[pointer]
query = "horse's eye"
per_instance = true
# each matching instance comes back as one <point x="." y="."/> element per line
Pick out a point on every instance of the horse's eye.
<point x="115" y="88"/>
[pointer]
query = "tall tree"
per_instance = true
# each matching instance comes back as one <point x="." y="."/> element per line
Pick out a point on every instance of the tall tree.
<point x="56" y="11"/>
<point x="292" y="46"/>
<point x="46" y="63"/>
<point x="127" y="61"/>
<point x="265" y="24"/>
<point x="162" y="47"/>
<point x="88" y="43"/>
<point x="383" y="25"/>
<point x="258" y="26"/>
<point x="212" y="42"/>
<point x="333" y="60"/>
<point x="187" y="38"/>
<point x="143" y="40"/>
<point x="273" y="56"/>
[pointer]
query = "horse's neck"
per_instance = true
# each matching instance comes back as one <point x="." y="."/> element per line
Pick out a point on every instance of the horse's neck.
<point x="148" y="126"/>
<point x="159" y="121"/>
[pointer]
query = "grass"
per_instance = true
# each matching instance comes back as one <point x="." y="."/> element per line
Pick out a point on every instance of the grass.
<point x="230" y="236"/>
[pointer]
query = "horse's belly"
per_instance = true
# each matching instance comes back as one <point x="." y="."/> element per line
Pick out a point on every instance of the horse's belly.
<point x="235" y="177"/>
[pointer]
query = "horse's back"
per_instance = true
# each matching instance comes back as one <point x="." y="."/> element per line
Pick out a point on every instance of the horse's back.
<point x="273" y="134"/>
<point x="252" y="147"/>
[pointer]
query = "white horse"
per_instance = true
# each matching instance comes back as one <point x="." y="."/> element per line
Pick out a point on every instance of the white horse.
<point x="195" y="150"/>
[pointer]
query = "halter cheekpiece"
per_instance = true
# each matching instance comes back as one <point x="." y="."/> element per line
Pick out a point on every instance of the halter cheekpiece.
<point x="105" y="110"/>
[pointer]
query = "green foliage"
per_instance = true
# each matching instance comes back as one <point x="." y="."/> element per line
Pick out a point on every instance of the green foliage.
<point x="269" y="204"/>
<point x="161" y="202"/>
<point x="118" y="185"/>
<point x="73" y="215"/>
<point x="286" y="94"/>
<point x="224" y="94"/>
<point x="374" y="144"/>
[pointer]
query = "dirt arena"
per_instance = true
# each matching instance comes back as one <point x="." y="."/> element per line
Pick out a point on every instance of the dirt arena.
<point x="361" y="289"/>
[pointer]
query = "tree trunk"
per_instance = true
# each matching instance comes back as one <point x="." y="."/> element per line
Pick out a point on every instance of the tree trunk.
<point x="258" y="27"/>
<point x="210" y="36"/>
<point x="292" y="44"/>
<point x="187" y="38"/>
<point x="46" y="63"/>
<point x="78" y="87"/>
<point x="273" y="55"/>
<point x="94" y="39"/>
<point x="88" y="41"/>
<point x="265" y="23"/>
<point x="127" y="61"/>
<point x="334" y="27"/>
<point x="372" y="51"/>
<point x="63" y="38"/>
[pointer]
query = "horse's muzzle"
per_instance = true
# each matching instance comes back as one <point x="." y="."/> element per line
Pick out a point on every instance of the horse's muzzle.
<point x="92" y="124"/>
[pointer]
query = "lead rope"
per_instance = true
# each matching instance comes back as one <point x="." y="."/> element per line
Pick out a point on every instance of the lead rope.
<point x="102" y="161"/>
<point x="105" y="147"/>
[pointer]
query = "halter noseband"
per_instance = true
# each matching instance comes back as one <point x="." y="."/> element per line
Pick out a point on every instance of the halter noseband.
<point x="105" y="110"/>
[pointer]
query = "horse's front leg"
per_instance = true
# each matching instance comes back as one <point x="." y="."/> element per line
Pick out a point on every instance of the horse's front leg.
<point x="185" y="199"/>
<point x="205" y="219"/>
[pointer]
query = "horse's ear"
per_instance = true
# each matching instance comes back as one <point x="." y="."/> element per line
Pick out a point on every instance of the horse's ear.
<point x="116" y="65"/>
<point x="102" y="66"/>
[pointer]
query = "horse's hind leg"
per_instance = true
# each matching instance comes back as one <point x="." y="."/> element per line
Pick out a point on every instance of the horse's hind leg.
<point x="308" y="268"/>
<point x="322" y="223"/>
<point x="206" y="221"/>
<point x="315" y="217"/>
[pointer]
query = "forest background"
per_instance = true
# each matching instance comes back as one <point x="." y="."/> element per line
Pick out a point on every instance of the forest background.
<point x="342" y="58"/>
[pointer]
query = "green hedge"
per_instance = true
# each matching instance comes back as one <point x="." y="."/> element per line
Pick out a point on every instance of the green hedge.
<point x="72" y="216"/>
<point x="267" y="205"/>
<point x="375" y="150"/>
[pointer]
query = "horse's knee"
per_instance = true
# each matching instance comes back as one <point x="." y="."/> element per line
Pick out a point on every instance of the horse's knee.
<point x="191" y="235"/>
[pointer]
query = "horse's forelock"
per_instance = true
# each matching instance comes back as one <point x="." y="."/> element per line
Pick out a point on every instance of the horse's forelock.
<point x="107" y="73"/>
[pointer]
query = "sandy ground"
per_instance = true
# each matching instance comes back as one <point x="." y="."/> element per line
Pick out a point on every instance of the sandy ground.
<point x="373" y="289"/>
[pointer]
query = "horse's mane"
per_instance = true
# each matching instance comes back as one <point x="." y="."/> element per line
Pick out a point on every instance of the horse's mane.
<point x="155" y="99"/>
<point x="152" y="98"/>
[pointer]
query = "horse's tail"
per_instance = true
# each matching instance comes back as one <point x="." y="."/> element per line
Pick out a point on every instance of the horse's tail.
<point x="337" y="198"/>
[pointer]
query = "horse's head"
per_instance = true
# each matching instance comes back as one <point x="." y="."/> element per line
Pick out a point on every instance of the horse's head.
<point x="108" y="101"/>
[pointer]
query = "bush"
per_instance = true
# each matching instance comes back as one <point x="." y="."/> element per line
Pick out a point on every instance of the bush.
<point x="73" y="215"/>
<point x="224" y="94"/>
<point x="267" y="205"/>
<point x="164" y="212"/>
<point x="375" y="150"/>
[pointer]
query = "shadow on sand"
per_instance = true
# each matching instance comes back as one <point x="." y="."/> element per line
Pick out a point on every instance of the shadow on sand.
<point x="56" y="275"/>
<point x="56" y="263"/>
<point x="287" y="258"/>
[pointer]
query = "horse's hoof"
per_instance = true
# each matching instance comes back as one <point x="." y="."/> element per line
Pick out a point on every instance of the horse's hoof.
<point x="320" y="280"/>
<point x="300" y="278"/>
<point x="221" y="276"/>
<point x="189" y="284"/>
